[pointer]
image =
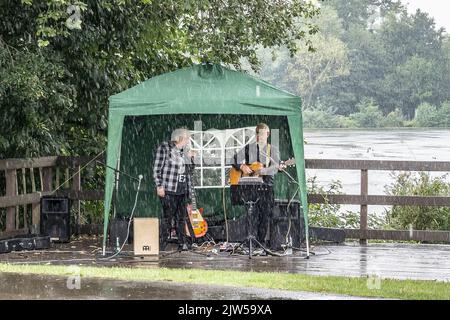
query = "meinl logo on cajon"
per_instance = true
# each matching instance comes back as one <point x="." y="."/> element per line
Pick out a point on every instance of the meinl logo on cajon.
<point x="146" y="237"/>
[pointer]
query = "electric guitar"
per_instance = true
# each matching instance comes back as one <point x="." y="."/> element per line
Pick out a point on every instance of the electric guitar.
<point x="235" y="175"/>
<point x="199" y="225"/>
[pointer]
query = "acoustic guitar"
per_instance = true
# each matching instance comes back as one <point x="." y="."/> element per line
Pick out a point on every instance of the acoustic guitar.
<point x="235" y="175"/>
<point x="199" y="225"/>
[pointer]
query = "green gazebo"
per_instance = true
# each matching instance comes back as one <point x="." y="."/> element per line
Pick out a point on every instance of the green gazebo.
<point x="143" y="116"/>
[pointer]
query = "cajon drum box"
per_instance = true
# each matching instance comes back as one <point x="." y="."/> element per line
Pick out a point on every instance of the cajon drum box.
<point x="146" y="236"/>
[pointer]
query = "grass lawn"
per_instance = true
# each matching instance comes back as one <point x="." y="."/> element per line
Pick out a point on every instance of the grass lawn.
<point x="399" y="289"/>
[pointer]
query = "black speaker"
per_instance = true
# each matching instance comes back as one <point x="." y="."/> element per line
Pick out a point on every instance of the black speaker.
<point x="285" y="221"/>
<point x="55" y="218"/>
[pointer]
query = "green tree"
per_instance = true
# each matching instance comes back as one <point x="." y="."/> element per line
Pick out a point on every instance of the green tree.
<point x="405" y="35"/>
<point x="397" y="59"/>
<point x="307" y="70"/>
<point x="416" y="81"/>
<point x="310" y="70"/>
<point x="35" y="98"/>
<point x="94" y="48"/>
<point x="362" y="13"/>
<point x="418" y="66"/>
<point x="360" y="20"/>
<point x="447" y="50"/>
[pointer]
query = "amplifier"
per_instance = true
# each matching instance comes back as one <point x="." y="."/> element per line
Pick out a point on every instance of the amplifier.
<point x="146" y="236"/>
<point x="285" y="222"/>
<point x="237" y="229"/>
<point x="278" y="226"/>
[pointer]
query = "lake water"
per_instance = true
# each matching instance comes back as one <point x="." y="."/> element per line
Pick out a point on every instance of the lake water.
<point x="386" y="144"/>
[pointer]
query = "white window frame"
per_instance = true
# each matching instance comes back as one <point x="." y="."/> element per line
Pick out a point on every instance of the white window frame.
<point x="222" y="136"/>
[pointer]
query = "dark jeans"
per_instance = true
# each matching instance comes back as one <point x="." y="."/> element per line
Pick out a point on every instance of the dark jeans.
<point x="174" y="207"/>
<point x="262" y="212"/>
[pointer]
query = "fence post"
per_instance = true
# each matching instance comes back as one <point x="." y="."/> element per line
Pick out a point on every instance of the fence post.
<point x="76" y="186"/>
<point x="363" y="210"/>
<point x="57" y="177"/>
<point x="11" y="177"/>
<point x="25" y="206"/>
<point x="66" y="178"/>
<point x="35" y="208"/>
<point x="47" y="179"/>
<point x="17" y="207"/>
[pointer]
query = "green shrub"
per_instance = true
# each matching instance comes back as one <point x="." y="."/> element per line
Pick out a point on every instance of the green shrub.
<point x="418" y="217"/>
<point x="320" y="117"/>
<point x="329" y="215"/>
<point x="369" y="115"/>
<point x="324" y="215"/>
<point x="394" y="119"/>
<point x="426" y="115"/>
<point x="431" y="116"/>
<point x="346" y="122"/>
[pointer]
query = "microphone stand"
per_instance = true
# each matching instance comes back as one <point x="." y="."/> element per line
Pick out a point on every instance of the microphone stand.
<point x="139" y="179"/>
<point x="117" y="170"/>
<point x="298" y="184"/>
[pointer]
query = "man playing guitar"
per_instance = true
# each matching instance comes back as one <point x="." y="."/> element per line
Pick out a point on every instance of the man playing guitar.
<point x="269" y="156"/>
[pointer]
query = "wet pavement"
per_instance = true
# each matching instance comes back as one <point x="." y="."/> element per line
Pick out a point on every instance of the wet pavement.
<point x="25" y="286"/>
<point x="396" y="261"/>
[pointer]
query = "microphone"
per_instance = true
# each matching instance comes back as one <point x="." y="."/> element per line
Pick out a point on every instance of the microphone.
<point x="140" y="177"/>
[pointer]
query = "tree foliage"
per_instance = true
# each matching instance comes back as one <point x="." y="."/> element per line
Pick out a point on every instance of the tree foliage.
<point x="308" y="70"/>
<point x="35" y="98"/>
<point x="396" y="59"/>
<point x="60" y="60"/>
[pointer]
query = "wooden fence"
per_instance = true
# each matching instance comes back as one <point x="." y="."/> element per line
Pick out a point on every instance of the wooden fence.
<point x="26" y="180"/>
<point x="364" y="199"/>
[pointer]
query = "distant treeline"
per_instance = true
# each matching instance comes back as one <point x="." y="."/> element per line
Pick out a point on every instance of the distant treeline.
<point x="374" y="65"/>
<point x="370" y="115"/>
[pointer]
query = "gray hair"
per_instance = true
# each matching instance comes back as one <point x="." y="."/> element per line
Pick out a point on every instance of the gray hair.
<point x="179" y="134"/>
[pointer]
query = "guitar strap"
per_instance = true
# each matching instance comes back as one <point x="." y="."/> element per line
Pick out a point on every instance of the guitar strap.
<point x="257" y="155"/>
<point x="186" y="216"/>
<point x="247" y="161"/>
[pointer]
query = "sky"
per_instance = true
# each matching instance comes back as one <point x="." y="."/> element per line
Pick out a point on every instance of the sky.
<point x="438" y="9"/>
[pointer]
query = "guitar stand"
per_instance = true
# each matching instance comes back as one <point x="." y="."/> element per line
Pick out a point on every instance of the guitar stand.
<point x="191" y="231"/>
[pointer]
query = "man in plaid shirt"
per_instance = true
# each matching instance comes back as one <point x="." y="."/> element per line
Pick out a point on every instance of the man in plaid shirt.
<point x="172" y="185"/>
